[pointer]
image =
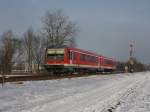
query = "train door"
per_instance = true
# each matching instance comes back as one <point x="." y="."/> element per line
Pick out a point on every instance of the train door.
<point x="70" y="57"/>
<point x="101" y="63"/>
<point x="74" y="58"/>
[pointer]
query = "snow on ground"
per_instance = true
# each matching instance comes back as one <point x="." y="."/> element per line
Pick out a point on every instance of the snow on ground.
<point x="103" y="93"/>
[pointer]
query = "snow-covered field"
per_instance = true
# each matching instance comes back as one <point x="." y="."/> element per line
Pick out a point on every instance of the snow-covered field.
<point x="107" y="93"/>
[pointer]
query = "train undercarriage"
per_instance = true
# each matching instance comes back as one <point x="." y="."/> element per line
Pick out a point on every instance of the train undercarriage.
<point x="61" y="69"/>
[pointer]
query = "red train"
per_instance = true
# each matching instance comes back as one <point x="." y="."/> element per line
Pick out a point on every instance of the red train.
<point x="71" y="60"/>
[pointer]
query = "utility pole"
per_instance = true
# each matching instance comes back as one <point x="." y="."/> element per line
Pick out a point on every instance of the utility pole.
<point x="131" y="62"/>
<point x="131" y="49"/>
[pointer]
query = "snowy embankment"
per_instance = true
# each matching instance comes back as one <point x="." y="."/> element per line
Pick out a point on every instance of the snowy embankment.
<point x="108" y="93"/>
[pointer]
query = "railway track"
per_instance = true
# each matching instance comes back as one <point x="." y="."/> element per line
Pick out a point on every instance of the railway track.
<point x="38" y="77"/>
<point x="35" y="77"/>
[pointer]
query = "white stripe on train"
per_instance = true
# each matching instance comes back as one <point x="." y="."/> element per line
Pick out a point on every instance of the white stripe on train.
<point x="88" y="66"/>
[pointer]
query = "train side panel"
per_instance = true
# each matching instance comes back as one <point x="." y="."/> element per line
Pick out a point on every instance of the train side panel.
<point x="108" y="64"/>
<point x="75" y="60"/>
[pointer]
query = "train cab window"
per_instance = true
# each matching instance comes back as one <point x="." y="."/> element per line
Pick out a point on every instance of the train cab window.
<point x="55" y="54"/>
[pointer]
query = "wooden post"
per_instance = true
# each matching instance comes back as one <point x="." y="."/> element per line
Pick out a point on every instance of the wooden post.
<point x="3" y="79"/>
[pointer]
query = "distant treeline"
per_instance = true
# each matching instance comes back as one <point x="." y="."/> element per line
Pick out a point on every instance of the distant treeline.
<point x="137" y="66"/>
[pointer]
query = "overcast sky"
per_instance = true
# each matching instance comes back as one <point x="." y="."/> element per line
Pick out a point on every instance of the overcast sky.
<point x="106" y="26"/>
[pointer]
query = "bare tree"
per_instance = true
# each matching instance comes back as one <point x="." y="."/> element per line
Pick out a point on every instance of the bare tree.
<point x="58" y="29"/>
<point x="7" y="52"/>
<point x="39" y="50"/>
<point x="28" y="43"/>
<point x="18" y="57"/>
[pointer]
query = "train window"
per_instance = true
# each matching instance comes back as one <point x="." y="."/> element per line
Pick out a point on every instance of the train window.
<point x="82" y="57"/>
<point x="55" y="56"/>
<point x="88" y="58"/>
<point x="93" y="59"/>
<point x="108" y="61"/>
<point x="75" y="56"/>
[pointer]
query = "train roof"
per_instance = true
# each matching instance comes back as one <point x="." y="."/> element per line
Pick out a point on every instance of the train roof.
<point x="81" y="50"/>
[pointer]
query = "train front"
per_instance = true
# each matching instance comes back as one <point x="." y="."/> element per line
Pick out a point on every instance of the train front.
<point x="54" y="60"/>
